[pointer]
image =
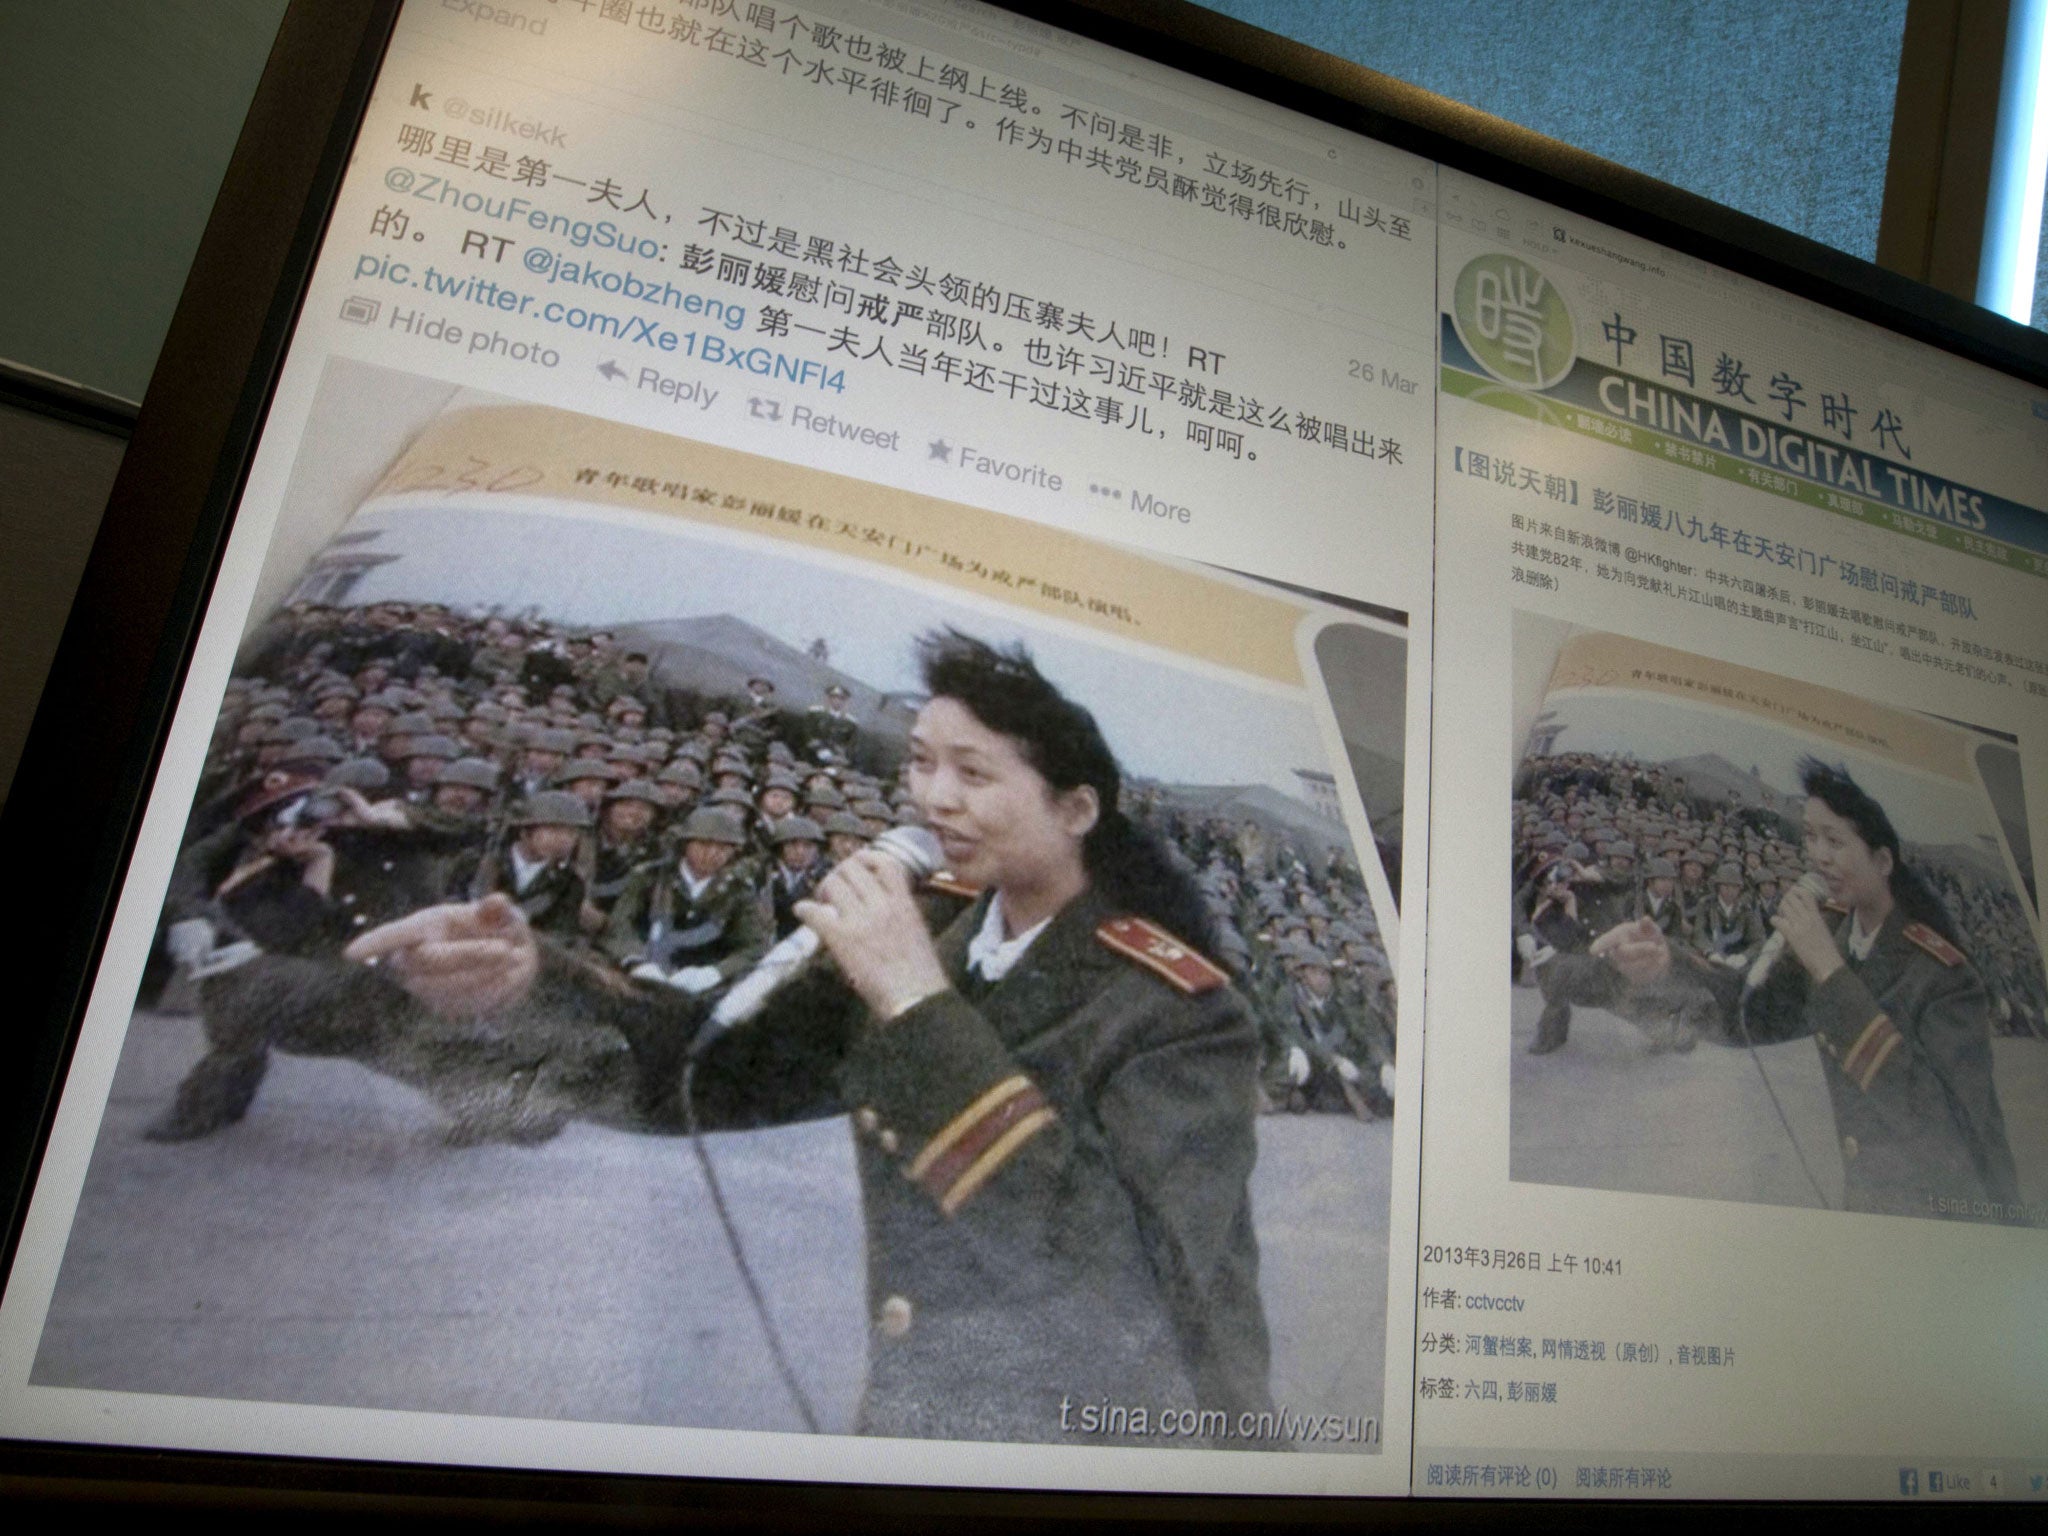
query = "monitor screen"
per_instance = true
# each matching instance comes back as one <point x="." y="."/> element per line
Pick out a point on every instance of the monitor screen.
<point x="880" y="679"/>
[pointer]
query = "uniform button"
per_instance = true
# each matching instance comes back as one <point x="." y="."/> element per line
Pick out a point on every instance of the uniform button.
<point x="866" y="1121"/>
<point x="887" y="1140"/>
<point x="1848" y="1146"/>
<point x="389" y="865"/>
<point x="359" y="920"/>
<point x="894" y="1318"/>
<point x="348" y="898"/>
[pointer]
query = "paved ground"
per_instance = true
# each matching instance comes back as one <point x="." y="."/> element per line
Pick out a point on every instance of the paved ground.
<point x="1606" y="1113"/>
<point x="332" y="1249"/>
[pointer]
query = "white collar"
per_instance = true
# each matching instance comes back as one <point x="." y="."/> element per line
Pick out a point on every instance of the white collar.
<point x="989" y="954"/>
<point x="691" y="884"/>
<point x="1861" y="943"/>
<point x="525" y="871"/>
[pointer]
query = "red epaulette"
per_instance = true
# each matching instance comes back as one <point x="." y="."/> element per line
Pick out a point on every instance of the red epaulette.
<point x="1934" y="943"/>
<point x="946" y="885"/>
<point x="1161" y="953"/>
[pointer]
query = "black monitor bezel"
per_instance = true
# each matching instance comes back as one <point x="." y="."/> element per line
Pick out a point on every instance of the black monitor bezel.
<point x="84" y="776"/>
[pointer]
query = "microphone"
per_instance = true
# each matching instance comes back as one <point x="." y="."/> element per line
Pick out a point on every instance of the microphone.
<point x="1774" y="946"/>
<point x="915" y="848"/>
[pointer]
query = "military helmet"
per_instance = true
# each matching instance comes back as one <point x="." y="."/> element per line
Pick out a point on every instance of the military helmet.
<point x="1302" y="952"/>
<point x="797" y="829"/>
<point x="845" y="824"/>
<point x="473" y="771"/>
<point x="447" y="748"/>
<point x="554" y="739"/>
<point x="551" y="808"/>
<point x="709" y="824"/>
<point x="357" y="773"/>
<point x="311" y="749"/>
<point x="635" y="789"/>
<point x="1730" y="873"/>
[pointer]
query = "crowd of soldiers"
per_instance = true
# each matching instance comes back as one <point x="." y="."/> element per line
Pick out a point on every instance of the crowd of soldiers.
<point x="372" y="760"/>
<point x="1298" y="935"/>
<point x="2002" y="948"/>
<point x="1600" y="839"/>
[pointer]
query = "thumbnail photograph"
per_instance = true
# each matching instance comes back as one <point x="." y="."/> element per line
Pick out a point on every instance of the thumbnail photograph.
<point x="1770" y="942"/>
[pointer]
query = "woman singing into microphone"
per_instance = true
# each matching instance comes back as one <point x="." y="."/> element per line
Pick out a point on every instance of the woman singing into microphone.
<point x="1901" y="1018"/>
<point x="1052" y="1100"/>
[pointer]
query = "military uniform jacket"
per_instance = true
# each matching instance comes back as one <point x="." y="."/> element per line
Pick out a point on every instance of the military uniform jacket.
<point x="656" y="918"/>
<point x="1054" y="1178"/>
<point x="1669" y="918"/>
<point x="784" y="893"/>
<point x="1611" y="901"/>
<point x="552" y="900"/>
<point x="1905" y="1042"/>
<point x="1719" y="930"/>
<point x="379" y="874"/>
<point x="830" y="737"/>
<point x="1333" y="1029"/>
<point x="612" y="866"/>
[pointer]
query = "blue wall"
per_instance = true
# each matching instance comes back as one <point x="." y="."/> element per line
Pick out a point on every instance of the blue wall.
<point x="1781" y="108"/>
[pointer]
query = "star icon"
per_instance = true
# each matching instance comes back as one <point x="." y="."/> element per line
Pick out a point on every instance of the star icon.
<point x="942" y="452"/>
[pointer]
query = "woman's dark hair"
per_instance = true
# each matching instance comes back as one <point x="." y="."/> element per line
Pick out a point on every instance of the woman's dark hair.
<point x="1833" y="787"/>
<point x="1003" y="689"/>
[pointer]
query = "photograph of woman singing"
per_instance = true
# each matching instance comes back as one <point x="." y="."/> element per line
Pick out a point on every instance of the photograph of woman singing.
<point x="1053" y="1096"/>
<point x="1872" y="967"/>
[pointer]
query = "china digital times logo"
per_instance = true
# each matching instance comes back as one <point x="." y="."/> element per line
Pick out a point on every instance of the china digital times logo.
<point x="1513" y="321"/>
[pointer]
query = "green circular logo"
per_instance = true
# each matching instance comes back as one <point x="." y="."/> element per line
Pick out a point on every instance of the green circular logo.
<point x="1513" y="321"/>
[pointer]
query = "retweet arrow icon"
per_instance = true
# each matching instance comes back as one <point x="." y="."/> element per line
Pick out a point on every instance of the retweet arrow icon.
<point x="611" y="370"/>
